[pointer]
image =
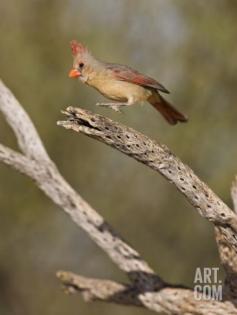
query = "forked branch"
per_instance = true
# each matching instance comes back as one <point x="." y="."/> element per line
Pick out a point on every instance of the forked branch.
<point x="144" y="288"/>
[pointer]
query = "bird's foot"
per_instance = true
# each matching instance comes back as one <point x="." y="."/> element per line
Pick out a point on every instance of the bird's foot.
<point x="114" y="106"/>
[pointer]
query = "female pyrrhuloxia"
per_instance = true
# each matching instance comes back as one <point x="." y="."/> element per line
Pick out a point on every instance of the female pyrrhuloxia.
<point x="120" y="83"/>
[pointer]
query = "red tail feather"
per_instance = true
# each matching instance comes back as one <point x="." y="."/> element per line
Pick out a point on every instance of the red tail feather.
<point x="171" y="114"/>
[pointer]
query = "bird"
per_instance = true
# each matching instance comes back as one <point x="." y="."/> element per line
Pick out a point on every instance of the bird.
<point x="120" y="83"/>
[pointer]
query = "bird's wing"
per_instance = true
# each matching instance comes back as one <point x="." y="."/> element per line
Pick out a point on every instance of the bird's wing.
<point x="125" y="73"/>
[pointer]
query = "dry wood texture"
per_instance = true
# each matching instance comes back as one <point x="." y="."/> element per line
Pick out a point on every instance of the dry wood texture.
<point x="144" y="288"/>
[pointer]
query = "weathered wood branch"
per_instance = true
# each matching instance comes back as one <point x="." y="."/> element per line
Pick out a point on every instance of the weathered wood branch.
<point x="145" y="288"/>
<point x="158" y="157"/>
<point x="180" y="301"/>
<point x="228" y="254"/>
<point x="234" y="193"/>
<point x="27" y="137"/>
<point x="38" y="166"/>
<point x="99" y="290"/>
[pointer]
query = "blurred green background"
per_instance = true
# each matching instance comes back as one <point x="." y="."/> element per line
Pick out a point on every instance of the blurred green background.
<point x="191" y="48"/>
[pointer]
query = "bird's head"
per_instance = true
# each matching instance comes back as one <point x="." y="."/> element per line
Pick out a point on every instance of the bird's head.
<point x="82" y="61"/>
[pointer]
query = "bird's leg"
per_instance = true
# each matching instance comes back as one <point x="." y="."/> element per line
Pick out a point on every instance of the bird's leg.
<point x="115" y="106"/>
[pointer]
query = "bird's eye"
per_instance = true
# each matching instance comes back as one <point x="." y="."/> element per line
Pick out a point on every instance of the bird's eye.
<point x="81" y="65"/>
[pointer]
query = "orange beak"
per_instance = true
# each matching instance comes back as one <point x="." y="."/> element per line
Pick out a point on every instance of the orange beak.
<point x="74" y="73"/>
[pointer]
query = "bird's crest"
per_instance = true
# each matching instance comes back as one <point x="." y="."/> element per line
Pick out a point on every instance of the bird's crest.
<point x="77" y="48"/>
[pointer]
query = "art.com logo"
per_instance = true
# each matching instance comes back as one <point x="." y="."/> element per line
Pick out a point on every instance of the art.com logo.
<point x="206" y="284"/>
